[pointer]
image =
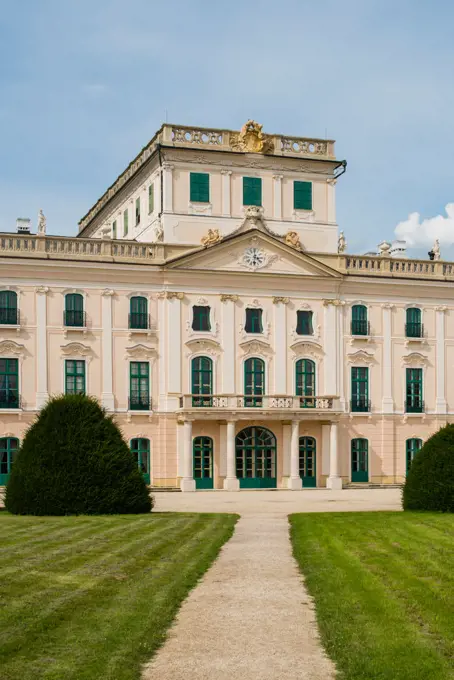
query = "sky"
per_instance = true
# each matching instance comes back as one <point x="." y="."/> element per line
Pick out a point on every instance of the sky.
<point x="84" y="85"/>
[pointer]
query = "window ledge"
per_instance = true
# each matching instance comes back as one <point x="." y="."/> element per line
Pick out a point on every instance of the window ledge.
<point x="72" y="329"/>
<point x="142" y="331"/>
<point x="303" y="215"/>
<point x="200" y="208"/>
<point x="10" y="327"/>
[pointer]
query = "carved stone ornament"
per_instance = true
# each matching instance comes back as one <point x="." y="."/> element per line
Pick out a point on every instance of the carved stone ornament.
<point x="207" y="346"/>
<point x="11" y="347"/>
<point x="108" y="292"/>
<point x="42" y="290"/>
<point x="140" y="352"/>
<point x="341" y="243"/>
<point x="75" y="349"/>
<point x="158" y="232"/>
<point x="277" y="299"/>
<point x="307" y="348"/>
<point x="202" y="301"/>
<point x="172" y="295"/>
<point x="361" y="355"/>
<point x="255" y="347"/>
<point x="251" y="138"/>
<point x="41" y="231"/>
<point x="414" y="359"/>
<point x="211" y="238"/>
<point x="292" y="239"/>
<point x="226" y="297"/>
<point x="336" y="303"/>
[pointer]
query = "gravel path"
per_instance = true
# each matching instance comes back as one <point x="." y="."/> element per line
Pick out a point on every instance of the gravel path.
<point x="250" y="618"/>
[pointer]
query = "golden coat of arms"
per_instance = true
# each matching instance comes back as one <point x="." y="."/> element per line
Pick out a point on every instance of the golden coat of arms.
<point x="251" y="138"/>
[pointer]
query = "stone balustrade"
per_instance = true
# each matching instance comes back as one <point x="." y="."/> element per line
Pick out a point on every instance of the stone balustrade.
<point x="267" y="402"/>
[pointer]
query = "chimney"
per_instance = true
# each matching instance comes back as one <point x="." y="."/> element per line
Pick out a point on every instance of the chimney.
<point x="398" y="249"/>
<point x="23" y="225"/>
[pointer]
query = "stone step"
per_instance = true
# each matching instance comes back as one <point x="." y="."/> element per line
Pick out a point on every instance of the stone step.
<point x="363" y="485"/>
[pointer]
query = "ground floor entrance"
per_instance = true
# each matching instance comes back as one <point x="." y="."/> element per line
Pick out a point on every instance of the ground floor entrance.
<point x="255" y="454"/>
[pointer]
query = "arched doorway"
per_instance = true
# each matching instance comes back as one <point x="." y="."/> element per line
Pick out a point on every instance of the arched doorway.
<point x="202" y="452"/>
<point x="255" y="449"/>
<point x="307" y="451"/>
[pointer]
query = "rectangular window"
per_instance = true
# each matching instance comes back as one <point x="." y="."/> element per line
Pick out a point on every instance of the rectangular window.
<point x="199" y="187"/>
<point x="414" y="401"/>
<point x="151" y="198"/>
<point x="139" y="386"/>
<point x="137" y="211"/>
<point x="252" y="191"/>
<point x="304" y="323"/>
<point x="201" y="318"/>
<point x="360" y="389"/>
<point x="9" y="314"/>
<point x="9" y="383"/>
<point x="253" y="321"/>
<point x="114" y="229"/>
<point x="302" y="195"/>
<point x="125" y="222"/>
<point x="74" y="376"/>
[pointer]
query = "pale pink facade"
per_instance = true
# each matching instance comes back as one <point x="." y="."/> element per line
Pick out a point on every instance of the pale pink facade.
<point x="281" y="262"/>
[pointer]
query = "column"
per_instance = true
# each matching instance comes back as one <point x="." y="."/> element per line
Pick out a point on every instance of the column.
<point x="187" y="483"/>
<point x="228" y="343"/>
<point x="167" y="188"/>
<point x="107" y="397"/>
<point x="174" y="348"/>
<point x="330" y="347"/>
<point x="387" y="398"/>
<point x="226" y="201"/>
<point x="280" y="349"/>
<point x="295" y="481"/>
<point x="231" y="483"/>
<point x="42" y="394"/>
<point x="440" y="404"/>
<point x="334" y="481"/>
<point x="277" y="186"/>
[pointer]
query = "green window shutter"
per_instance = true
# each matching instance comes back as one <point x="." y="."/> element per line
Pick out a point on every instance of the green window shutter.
<point x="151" y="198"/>
<point x="254" y="380"/>
<point x="302" y="195"/>
<point x="114" y="229"/>
<point x="74" y="376"/>
<point x="8" y="307"/>
<point x="413" y="327"/>
<point x="74" y="310"/>
<point x="138" y="312"/>
<point x="305" y="382"/>
<point x="201" y="380"/>
<point x="360" y="389"/>
<point x="360" y="460"/>
<point x="137" y="211"/>
<point x="199" y="187"/>
<point x="9" y="383"/>
<point x="360" y="325"/>
<point x="304" y="323"/>
<point x="414" y="402"/>
<point x="125" y="222"/>
<point x="252" y="191"/>
<point x="253" y="321"/>
<point x="412" y="448"/>
<point x="140" y="449"/>
<point x="139" y="386"/>
<point x="201" y="318"/>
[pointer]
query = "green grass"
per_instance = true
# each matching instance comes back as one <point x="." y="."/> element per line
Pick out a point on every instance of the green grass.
<point x="85" y="598"/>
<point x="383" y="585"/>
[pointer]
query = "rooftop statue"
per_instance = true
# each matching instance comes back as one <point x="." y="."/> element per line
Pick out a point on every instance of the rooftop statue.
<point x="41" y="223"/>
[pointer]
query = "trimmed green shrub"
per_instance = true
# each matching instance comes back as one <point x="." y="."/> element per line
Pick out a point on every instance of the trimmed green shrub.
<point x="73" y="461"/>
<point x="430" y="480"/>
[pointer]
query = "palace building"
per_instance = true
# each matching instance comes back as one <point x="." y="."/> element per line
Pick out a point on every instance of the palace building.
<point x="209" y="303"/>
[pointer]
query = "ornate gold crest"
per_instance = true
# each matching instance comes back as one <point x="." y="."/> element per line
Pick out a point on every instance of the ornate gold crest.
<point x="251" y="138"/>
<point x="212" y="237"/>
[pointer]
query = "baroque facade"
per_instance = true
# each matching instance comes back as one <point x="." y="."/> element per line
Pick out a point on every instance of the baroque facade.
<point x="209" y="303"/>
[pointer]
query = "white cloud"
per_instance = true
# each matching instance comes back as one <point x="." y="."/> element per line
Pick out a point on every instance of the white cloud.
<point x="417" y="233"/>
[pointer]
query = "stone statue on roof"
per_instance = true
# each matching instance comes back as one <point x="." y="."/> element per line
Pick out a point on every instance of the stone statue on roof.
<point x="41" y="231"/>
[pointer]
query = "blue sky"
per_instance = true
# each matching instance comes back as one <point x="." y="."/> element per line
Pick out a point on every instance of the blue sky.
<point x="84" y="85"/>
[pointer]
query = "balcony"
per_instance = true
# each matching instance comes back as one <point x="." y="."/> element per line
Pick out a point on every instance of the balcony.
<point x="360" y="405"/>
<point x="9" y="316"/>
<point x="139" y="402"/>
<point x="414" y="405"/>
<point x="414" y="329"/>
<point x="74" y="319"/>
<point x="215" y="404"/>
<point x="10" y="399"/>
<point x="139" y="321"/>
<point x="360" y="327"/>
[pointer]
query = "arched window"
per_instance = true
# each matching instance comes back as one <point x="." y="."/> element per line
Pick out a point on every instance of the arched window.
<point x="74" y="310"/>
<point x="8" y="308"/>
<point x="138" y="312"/>
<point x="411" y="449"/>
<point x="140" y="448"/>
<point x="360" y="460"/>
<point x="8" y="449"/>
<point x="305" y="382"/>
<point x="202" y="381"/>
<point x="360" y="324"/>
<point x="413" y="326"/>
<point x="254" y="381"/>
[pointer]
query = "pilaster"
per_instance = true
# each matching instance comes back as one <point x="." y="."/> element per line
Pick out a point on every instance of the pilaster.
<point x="226" y="200"/>
<point x="228" y="343"/>
<point x="440" y="404"/>
<point x="167" y="189"/>
<point x="387" y="398"/>
<point x="280" y="339"/>
<point x="277" y="193"/>
<point x="42" y="394"/>
<point x="330" y="346"/>
<point x="174" y="343"/>
<point x="107" y="397"/>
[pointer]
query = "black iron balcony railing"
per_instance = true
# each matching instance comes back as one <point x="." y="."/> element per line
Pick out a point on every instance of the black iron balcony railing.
<point x="74" y="318"/>
<point x="414" y="329"/>
<point x="414" y="405"/>
<point x="360" y="327"/>
<point x="139" y="402"/>
<point x="9" y="316"/>
<point x="139" y="321"/>
<point x="360" y="405"/>
<point x="10" y="399"/>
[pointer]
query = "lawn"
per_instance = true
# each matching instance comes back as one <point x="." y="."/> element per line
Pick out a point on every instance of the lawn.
<point x="383" y="585"/>
<point x="92" y="597"/>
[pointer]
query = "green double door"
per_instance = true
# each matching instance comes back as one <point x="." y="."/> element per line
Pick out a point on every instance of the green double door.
<point x="255" y="449"/>
<point x="8" y="449"/>
<point x="360" y="460"/>
<point x="307" y="460"/>
<point x="202" y="450"/>
<point x="140" y="448"/>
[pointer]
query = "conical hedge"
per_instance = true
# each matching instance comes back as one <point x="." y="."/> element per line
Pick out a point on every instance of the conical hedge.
<point x="73" y="460"/>
<point x="430" y="480"/>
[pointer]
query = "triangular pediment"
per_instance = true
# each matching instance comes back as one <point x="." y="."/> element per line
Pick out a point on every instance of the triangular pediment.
<point x="252" y="252"/>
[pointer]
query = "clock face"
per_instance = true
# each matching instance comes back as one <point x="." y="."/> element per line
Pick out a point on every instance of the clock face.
<point x="254" y="257"/>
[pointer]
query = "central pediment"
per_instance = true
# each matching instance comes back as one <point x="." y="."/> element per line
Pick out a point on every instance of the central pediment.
<point x="252" y="252"/>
